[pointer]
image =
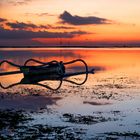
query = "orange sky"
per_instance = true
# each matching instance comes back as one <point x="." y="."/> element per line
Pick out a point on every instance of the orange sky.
<point x="83" y="22"/>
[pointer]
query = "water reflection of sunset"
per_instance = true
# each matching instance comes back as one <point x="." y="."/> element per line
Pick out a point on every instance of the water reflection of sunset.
<point x="126" y="61"/>
<point x="107" y="58"/>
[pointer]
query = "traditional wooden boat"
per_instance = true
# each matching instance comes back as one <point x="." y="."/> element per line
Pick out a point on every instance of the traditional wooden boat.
<point x="53" y="70"/>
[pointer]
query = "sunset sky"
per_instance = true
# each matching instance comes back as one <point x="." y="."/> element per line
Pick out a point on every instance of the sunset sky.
<point x="69" y="22"/>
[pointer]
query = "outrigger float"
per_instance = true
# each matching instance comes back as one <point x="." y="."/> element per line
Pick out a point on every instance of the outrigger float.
<point x="52" y="70"/>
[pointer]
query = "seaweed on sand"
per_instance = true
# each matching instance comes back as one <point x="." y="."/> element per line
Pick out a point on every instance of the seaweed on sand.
<point x="79" y="119"/>
<point x="45" y="132"/>
<point x="12" y="119"/>
<point x="56" y="132"/>
<point x="16" y="125"/>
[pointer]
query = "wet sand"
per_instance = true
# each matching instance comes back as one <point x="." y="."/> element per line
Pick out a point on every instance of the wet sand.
<point x="102" y="110"/>
<point x="106" y="107"/>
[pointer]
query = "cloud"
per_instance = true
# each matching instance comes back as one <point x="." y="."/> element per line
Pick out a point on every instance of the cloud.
<point x="23" y="34"/>
<point x="38" y="14"/>
<point x="56" y="27"/>
<point x="2" y="20"/>
<point x="21" y="25"/>
<point x="63" y="27"/>
<point x="66" y="17"/>
<point x="17" y="2"/>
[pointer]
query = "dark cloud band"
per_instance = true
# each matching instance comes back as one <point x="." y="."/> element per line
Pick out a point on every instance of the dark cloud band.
<point x="21" y="25"/>
<point x="23" y="34"/>
<point x="66" y="17"/>
<point x="2" y="20"/>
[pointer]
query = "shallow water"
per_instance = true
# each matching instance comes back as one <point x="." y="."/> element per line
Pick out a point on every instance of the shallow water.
<point x="108" y="102"/>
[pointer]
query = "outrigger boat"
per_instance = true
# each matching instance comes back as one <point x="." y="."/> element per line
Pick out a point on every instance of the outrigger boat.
<point x="53" y="70"/>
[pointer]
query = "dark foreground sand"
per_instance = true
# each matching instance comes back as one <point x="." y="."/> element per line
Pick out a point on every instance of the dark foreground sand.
<point x="102" y="109"/>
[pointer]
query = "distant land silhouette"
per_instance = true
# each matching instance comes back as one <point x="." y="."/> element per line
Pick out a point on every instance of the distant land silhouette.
<point x="75" y="46"/>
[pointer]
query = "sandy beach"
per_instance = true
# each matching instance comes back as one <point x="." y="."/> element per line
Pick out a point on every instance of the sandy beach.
<point x="106" y="107"/>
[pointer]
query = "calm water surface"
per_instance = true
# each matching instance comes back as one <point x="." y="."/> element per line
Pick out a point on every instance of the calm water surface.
<point x="111" y="97"/>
